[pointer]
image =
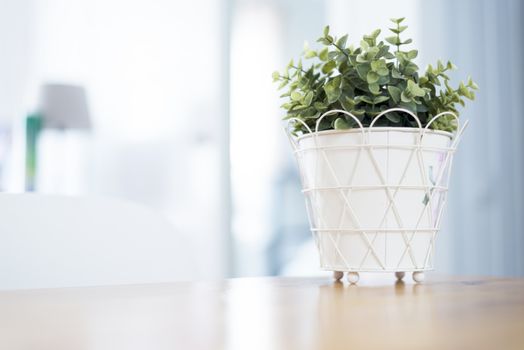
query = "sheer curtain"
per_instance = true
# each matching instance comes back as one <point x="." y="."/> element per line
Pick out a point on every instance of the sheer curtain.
<point x="484" y="232"/>
<point x="269" y="219"/>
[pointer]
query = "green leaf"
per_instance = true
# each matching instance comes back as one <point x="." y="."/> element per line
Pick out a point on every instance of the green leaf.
<point x="324" y="41"/>
<point x="276" y="76"/>
<point x="422" y="108"/>
<point x="383" y="71"/>
<point x="374" y="89"/>
<point x="347" y="103"/>
<point x="296" y="96"/>
<point x="364" y="45"/>
<point x="393" y="117"/>
<point x="394" y="30"/>
<point x="282" y="84"/>
<point x="341" y="124"/>
<point x="404" y="97"/>
<point x="410" y="106"/>
<point x="342" y="41"/>
<point x="328" y="67"/>
<point x="323" y="55"/>
<point x="380" y="67"/>
<point x="326" y="30"/>
<point x="364" y="99"/>
<point x="389" y="56"/>
<point x="372" y="52"/>
<point x="332" y="89"/>
<point x="393" y="40"/>
<point x="310" y="54"/>
<point x="308" y="98"/>
<point x="409" y="41"/>
<point x="396" y="74"/>
<point x="397" y="20"/>
<point x="372" y="77"/>
<point x="375" y="65"/>
<point x="342" y="61"/>
<point x="472" y="84"/>
<point x="412" y="54"/>
<point x="319" y="106"/>
<point x="306" y="45"/>
<point x="410" y="69"/>
<point x="401" y="57"/>
<point x="414" y="89"/>
<point x="374" y="34"/>
<point x="362" y="71"/>
<point x="361" y="58"/>
<point x="310" y="113"/>
<point x="440" y="66"/>
<point x="336" y="81"/>
<point x="383" y="50"/>
<point x="380" y="99"/>
<point x="394" y="92"/>
<point x="325" y="124"/>
<point x="383" y="80"/>
<point x="359" y="113"/>
<point x="463" y="90"/>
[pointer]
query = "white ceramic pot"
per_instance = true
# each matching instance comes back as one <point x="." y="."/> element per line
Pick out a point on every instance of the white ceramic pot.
<point x="375" y="196"/>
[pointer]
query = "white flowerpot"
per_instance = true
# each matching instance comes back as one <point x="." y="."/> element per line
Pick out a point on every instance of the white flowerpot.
<point x="375" y="196"/>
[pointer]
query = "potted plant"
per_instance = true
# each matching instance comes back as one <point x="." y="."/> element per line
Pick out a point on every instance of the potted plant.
<point x="374" y="139"/>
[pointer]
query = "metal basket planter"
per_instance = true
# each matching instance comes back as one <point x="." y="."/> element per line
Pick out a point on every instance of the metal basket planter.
<point x="375" y="196"/>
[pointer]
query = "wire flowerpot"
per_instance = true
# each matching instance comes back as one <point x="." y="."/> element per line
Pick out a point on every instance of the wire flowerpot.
<point x="375" y="195"/>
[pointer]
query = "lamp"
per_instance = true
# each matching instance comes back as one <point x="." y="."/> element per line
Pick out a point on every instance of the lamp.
<point x="62" y="107"/>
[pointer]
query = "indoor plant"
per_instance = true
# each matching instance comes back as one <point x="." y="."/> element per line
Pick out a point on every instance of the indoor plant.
<point x="374" y="140"/>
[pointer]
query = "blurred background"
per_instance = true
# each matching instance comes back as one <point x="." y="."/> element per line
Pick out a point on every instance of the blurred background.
<point x="171" y="104"/>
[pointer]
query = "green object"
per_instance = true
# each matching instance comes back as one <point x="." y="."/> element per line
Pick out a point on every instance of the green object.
<point x="367" y="80"/>
<point x="33" y="126"/>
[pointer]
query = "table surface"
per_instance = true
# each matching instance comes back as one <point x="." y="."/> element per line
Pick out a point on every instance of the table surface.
<point x="270" y="313"/>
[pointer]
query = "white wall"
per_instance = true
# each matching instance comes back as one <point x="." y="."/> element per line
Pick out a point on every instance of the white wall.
<point x="17" y="26"/>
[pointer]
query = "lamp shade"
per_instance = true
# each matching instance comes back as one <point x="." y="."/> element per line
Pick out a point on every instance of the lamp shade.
<point x="64" y="107"/>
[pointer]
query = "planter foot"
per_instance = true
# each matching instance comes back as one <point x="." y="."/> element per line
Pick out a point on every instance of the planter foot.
<point x="337" y="275"/>
<point x="400" y="275"/>
<point x="353" y="277"/>
<point x="418" y="276"/>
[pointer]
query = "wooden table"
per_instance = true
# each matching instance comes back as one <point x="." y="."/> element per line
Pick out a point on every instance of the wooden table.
<point x="270" y="313"/>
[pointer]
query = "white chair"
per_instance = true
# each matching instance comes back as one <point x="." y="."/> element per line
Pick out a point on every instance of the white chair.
<point x="49" y="241"/>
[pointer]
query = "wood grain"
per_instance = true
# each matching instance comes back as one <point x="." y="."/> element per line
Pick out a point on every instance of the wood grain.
<point x="270" y="313"/>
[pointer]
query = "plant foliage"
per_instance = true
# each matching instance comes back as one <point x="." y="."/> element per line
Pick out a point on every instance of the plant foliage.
<point x="367" y="80"/>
